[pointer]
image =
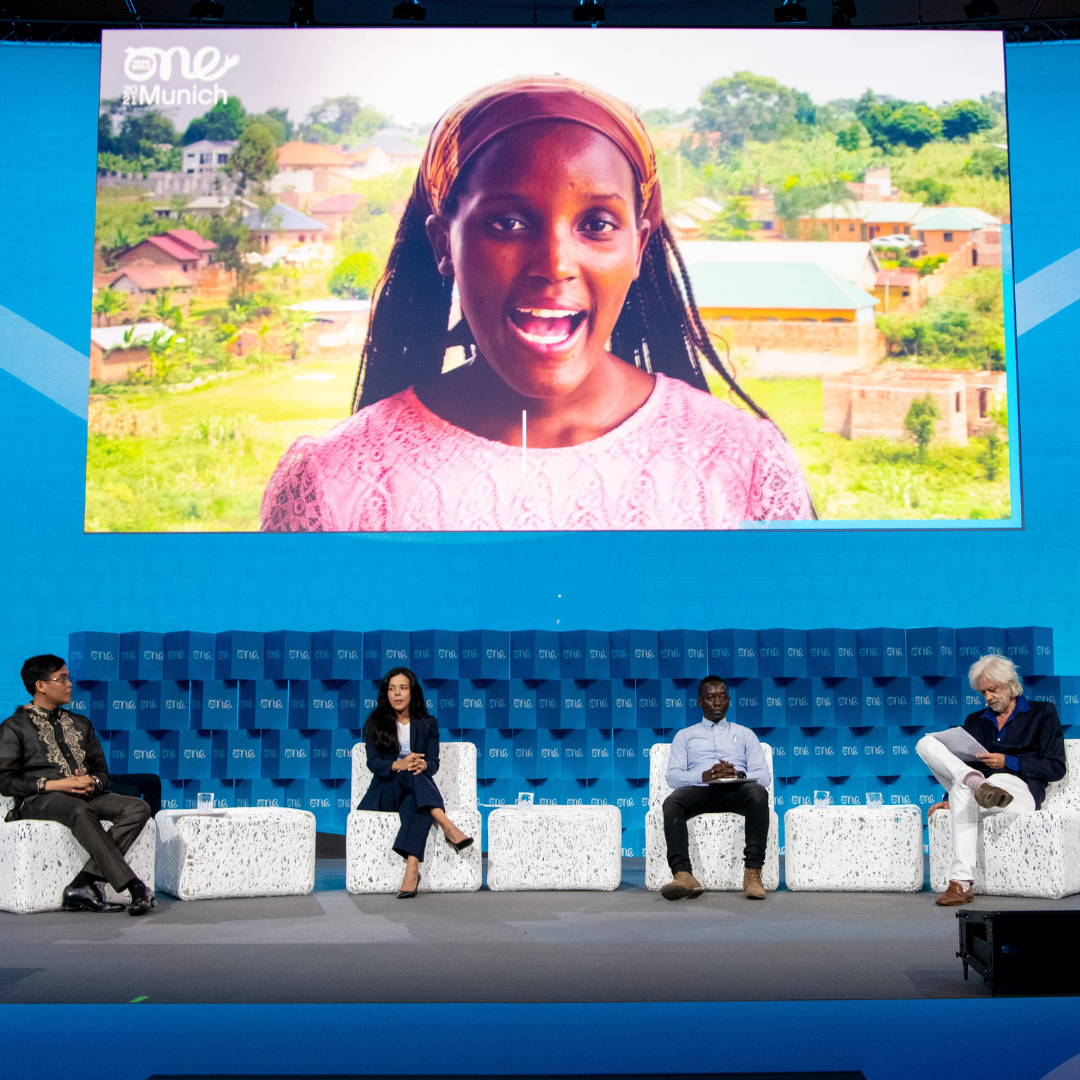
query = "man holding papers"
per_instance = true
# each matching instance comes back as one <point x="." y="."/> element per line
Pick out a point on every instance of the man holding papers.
<point x="1003" y="756"/>
<point x="716" y="767"/>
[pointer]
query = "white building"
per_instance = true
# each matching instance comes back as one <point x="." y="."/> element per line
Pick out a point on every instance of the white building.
<point x="207" y="155"/>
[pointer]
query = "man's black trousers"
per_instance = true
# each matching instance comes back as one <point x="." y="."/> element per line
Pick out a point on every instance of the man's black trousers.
<point x="751" y="801"/>
<point x="84" y="817"/>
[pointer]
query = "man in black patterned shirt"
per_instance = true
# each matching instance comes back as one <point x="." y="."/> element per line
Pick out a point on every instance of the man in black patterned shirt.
<point x="52" y="765"/>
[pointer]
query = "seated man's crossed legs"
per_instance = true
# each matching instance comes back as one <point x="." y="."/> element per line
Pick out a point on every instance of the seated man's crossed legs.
<point x="969" y="795"/>
<point x="106" y="849"/>
<point x="749" y="800"/>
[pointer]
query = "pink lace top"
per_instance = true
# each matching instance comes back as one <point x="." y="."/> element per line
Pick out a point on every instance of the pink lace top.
<point x="684" y="460"/>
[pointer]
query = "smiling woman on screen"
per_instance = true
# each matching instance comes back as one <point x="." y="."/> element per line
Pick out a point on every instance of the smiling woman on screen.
<point x="538" y="199"/>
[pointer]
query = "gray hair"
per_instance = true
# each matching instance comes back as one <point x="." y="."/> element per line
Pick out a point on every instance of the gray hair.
<point x="998" y="669"/>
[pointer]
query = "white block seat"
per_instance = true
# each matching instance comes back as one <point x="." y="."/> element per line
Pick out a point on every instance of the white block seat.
<point x="853" y="849"/>
<point x="1034" y="855"/>
<point x="372" y="865"/>
<point x="241" y="851"/>
<point x="716" y="840"/>
<point x="554" y="848"/>
<point x="38" y="858"/>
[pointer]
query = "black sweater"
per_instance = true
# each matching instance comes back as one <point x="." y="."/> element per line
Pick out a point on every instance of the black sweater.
<point x="1033" y="736"/>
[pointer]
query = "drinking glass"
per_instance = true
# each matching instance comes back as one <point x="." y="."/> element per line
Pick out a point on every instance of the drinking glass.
<point x="874" y="800"/>
<point x="525" y="798"/>
<point x="821" y="798"/>
<point x="204" y="800"/>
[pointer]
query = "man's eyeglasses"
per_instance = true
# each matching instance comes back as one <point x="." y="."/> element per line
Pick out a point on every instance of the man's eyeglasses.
<point x="60" y="679"/>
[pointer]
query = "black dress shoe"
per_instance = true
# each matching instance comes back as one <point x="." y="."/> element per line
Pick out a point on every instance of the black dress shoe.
<point x="142" y="899"/>
<point x="87" y="898"/>
<point x="461" y="845"/>
<point x="408" y="894"/>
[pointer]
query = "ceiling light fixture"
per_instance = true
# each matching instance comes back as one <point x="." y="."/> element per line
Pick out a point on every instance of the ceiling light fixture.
<point x="302" y="13"/>
<point x="790" y="11"/>
<point x="588" y="11"/>
<point x="410" y="11"/>
<point x="207" y="10"/>
<point x="843" y="11"/>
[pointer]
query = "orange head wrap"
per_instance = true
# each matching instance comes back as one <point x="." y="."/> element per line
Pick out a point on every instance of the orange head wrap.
<point x="485" y="114"/>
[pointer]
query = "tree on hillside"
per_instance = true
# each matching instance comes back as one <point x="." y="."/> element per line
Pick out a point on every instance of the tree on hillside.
<point x="341" y="119"/>
<point x="655" y="119"/>
<point x="897" y="123"/>
<point x="223" y="122"/>
<point x="919" y="422"/>
<point x="962" y="119"/>
<point x="853" y="137"/>
<point x="748" y="107"/>
<point x="107" y="303"/>
<point x="253" y="160"/>
<point x="282" y="117"/>
<point x="271" y="120"/>
<point x="106" y="141"/>
<point x="143" y="132"/>
<point x="928" y="190"/>
<point x="732" y="224"/>
<point x="989" y="161"/>
<point x="355" y="276"/>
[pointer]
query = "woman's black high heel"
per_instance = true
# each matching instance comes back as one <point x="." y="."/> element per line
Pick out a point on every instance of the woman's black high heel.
<point x="408" y="895"/>
<point x="461" y="845"/>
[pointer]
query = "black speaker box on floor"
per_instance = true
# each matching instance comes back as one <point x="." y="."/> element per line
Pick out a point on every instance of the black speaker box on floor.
<point x="1026" y="952"/>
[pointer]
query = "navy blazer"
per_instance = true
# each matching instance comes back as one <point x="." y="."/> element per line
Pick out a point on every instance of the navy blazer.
<point x="423" y="739"/>
<point x="1032" y="735"/>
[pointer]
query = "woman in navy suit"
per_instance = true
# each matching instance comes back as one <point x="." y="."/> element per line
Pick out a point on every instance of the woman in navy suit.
<point x="402" y="741"/>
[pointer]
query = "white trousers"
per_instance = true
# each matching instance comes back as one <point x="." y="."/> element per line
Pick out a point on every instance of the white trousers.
<point x="950" y="771"/>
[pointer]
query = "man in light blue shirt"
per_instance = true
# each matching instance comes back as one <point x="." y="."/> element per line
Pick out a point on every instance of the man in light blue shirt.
<point x="716" y="767"/>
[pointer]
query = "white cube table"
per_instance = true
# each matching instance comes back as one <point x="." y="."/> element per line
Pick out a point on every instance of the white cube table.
<point x="554" y="847"/>
<point x="853" y="849"/>
<point x="246" y="851"/>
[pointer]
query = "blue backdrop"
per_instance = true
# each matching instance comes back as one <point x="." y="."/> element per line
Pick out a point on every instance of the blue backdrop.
<point x="56" y="579"/>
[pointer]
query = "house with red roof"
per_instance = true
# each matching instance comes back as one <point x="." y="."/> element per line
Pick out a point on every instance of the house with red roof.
<point x="299" y="156"/>
<point x="147" y="277"/>
<point x="898" y="288"/>
<point x="179" y="249"/>
<point x="336" y="210"/>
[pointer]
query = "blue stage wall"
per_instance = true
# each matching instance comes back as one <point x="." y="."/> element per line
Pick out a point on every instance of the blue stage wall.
<point x="56" y="579"/>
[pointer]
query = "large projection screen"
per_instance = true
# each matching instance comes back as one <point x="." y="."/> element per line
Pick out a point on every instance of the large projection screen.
<point x="838" y="202"/>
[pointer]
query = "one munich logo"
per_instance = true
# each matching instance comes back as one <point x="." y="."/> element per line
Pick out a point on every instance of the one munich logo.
<point x="146" y="62"/>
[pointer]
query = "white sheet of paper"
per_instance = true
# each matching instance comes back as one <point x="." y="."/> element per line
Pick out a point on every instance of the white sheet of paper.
<point x="965" y="746"/>
<point x="732" y="780"/>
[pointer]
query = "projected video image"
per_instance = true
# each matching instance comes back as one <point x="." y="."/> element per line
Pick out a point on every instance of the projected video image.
<point x="629" y="280"/>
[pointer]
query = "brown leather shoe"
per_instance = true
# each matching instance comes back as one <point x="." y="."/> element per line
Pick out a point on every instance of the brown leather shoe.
<point x="956" y="895"/>
<point x="988" y="796"/>
<point x="752" y="888"/>
<point x="682" y="885"/>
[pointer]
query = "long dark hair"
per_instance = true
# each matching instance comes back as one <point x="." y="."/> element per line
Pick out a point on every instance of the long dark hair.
<point x="381" y="724"/>
<point x="659" y="328"/>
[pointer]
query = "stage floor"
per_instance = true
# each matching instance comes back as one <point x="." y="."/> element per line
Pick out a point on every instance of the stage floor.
<point x="627" y="945"/>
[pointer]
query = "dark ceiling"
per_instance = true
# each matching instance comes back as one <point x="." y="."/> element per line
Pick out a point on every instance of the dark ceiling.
<point x="82" y="20"/>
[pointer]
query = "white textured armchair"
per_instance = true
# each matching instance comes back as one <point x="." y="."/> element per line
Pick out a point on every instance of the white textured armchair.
<point x="716" y="840"/>
<point x="371" y="864"/>
<point x="38" y="858"/>
<point x="1035" y="855"/>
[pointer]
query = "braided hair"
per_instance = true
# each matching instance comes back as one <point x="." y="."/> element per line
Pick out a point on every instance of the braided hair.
<point x="659" y="328"/>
